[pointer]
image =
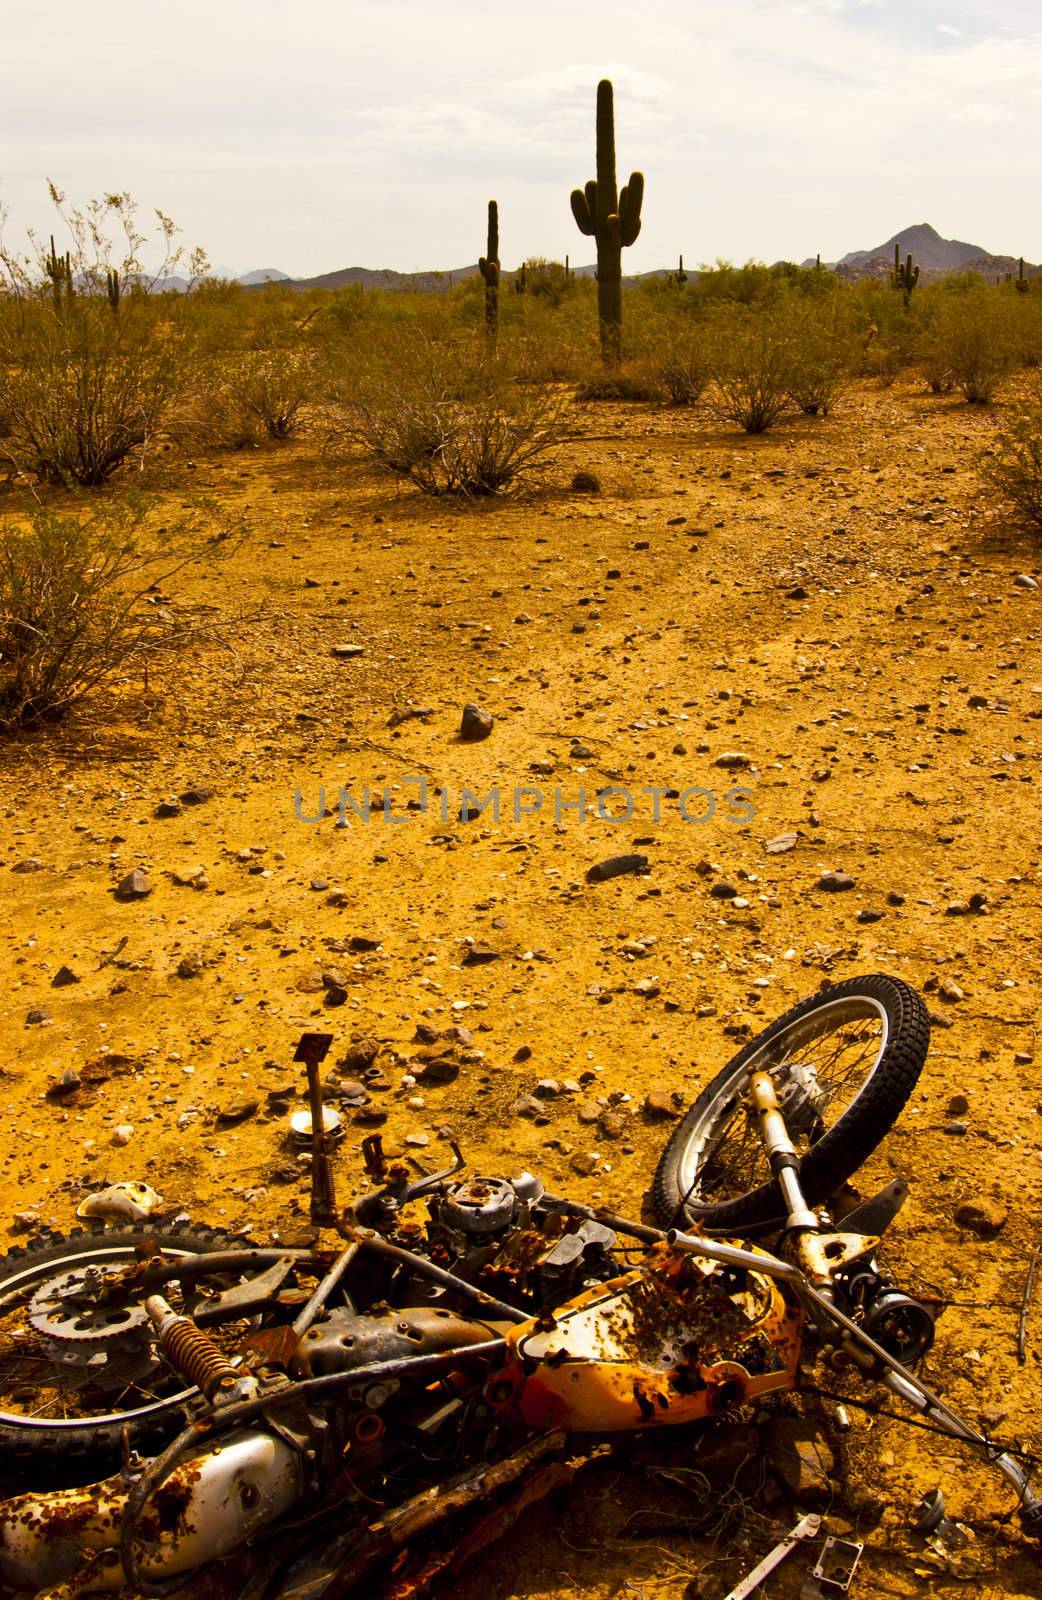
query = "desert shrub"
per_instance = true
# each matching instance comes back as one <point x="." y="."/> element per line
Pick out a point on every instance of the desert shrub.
<point x="1014" y="465"/>
<point x="446" y="415"/>
<point x="78" y="603"/>
<point x="973" y="340"/>
<point x="635" y="381"/>
<point x="91" y="359"/>
<point x="749" y="352"/>
<point x="273" y="387"/>
<point x="821" y="352"/>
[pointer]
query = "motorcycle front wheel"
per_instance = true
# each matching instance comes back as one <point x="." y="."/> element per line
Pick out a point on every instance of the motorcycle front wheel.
<point x="843" y="1062"/>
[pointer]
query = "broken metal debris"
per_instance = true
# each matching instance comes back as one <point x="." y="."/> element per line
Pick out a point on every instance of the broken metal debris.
<point x="129" y="1201"/>
<point x="807" y="1528"/>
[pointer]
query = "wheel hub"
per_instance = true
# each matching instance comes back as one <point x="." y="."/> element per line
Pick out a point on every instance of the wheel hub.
<point x="70" y="1310"/>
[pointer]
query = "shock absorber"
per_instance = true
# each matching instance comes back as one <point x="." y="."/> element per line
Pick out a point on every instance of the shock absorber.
<point x="193" y="1354"/>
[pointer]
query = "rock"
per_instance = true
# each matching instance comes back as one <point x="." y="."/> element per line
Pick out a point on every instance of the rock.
<point x="361" y="943"/>
<point x="955" y="1128"/>
<point x="190" y="966"/>
<point x="611" y="1124"/>
<point x="528" y="1106"/>
<point x="30" y="864"/>
<point x="983" y="1217"/>
<point x="958" y="1105"/>
<point x="122" y="1133"/>
<point x="659" y="1106"/>
<point x="37" y="1017"/>
<point x="780" y="843"/>
<point x="441" y="1069"/>
<point x="586" y="483"/>
<point x="870" y="914"/>
<point x="336" y="994"/>
<point x="191" y="878"/>
<point x="800" y="1458"/>
<point x="949" y="990"/>
<point x="347" y="652"/>
<point x="479" y="955"/>
<point x="67" y="1084"/>
<point x="169" y="808"/>
<point x="583" y="1162"/>
<point x="197" y="795"/>
<point x="475" y="723"/>
<point x="797" y="593"/>
<point x="895" y="899"/>
<point x="581" y="752"/>
<point x="616" y="867"/>
<point x="63" y="978"/>
<point x="135" y="886"/>
<point x="523" y="1052"/>
<point x="835" y="882"/>
<point x="547" y="1089"/>
<point x="722" y="890"/>
<point x="733" y="760"/>
<point x="237" y="1110"/>
<point x="1024" y="580"/>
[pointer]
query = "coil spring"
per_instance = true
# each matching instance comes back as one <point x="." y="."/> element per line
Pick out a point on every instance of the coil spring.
<point x="195" y="1356"/>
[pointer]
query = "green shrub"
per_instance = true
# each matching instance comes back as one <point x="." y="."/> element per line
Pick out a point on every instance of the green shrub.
<point x="972" y="340"/>
<point x="750" y="352"/>
<point x="1014" y="466"/>
<point x="77" y="603"/>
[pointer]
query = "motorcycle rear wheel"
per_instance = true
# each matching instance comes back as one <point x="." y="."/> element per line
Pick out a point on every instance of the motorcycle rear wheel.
<point x="844" y="1063"/>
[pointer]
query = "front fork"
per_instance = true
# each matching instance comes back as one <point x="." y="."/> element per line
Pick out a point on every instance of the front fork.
<point x="819" y="1255"/>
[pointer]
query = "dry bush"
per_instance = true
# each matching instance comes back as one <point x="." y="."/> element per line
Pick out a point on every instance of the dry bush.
<point x="972" y="342"/>
<point x="242" y="399"/>
<point x="750" y="360"/>
<point x="1014" y="466"/>
<point x="821" y="354"/>
<point x="447" y="416"/>
<point x="80" y="603"/>
<point x="634" y="381"/>
<point x="91" y="360"/>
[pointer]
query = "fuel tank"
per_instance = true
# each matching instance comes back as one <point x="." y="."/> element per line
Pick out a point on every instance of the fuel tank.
<point x="677" y="1340"/>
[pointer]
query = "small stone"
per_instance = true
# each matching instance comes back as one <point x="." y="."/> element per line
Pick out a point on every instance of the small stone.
<point x="958" y="1105"/>
<point x="135" y="886"/>
<point x="870" y="914"/>
<point x="781" y="843"/>
<point x="835" y="882"/>
<point x="617" y="866"/>
<point x="895" y="899"/>
<point x="949" y="990"/>
<point x="479" y="955"/>
<point x="982" y="1216"/>
<point x="956" y="1129"/>
<point x="733" y="760"/>
<point x="169" y="808"/>
<point x="30" y="864"/>
<point x="237" y="1110"/>
<point x="797" y="593"/>
<point x="197" y="795"/>
<point x="123" y="1133"/>
<point x="336" y="994"/>
<point x="1024" y="580"/>
<point x="67" y="1084"/>
<point x="581" y="752"/>
<point x="586" y="483"/>
<point x="361" y="943"/>
<point x="347" y="652"/>
<point x="659" y="1106"/>
<point x="722" y="890"/>
<point x="801" y="1459"/>
<point x="37" y="1017"/>
<point x="523" y="1052"/>
<point x="547" y="1089"/>
<point x="63" y="978"/>
<point x="475" y="723"/>
<point x="190" y="966"/>
<point x="583" y="1162"/>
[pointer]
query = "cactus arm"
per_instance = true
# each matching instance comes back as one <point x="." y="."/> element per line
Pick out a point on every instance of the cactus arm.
<point x="630" y="201"/>
<point x="581" y="212"/>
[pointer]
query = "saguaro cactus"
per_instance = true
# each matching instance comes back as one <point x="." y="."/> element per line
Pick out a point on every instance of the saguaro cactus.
<point x="59" y="271"/>
<point x="488" y="266"/>
<point x="113" y="288"/>
<point x="613" y="219"/>
<point x="681" y="274"/>
<point x="904" y="277"/>
<point x="1022" y="282"/>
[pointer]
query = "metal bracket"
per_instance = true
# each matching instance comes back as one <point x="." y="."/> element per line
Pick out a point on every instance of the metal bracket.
<point x="806" y="1529"/>
<point x="833" y="1571"/>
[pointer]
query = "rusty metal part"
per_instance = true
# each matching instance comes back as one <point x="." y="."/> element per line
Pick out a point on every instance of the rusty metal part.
<point x="306" y="1316"/>
<point x="407" y="1522"/>
<point x="208" y="1505"/>
<point x="821" y="1255"/>
<point x="833" y="1572"/>
<point x="427" y="1269"/>
<point x="875" y="1214"/>
<point x="73" y="1308"/>
<point x="243" y="1298"/>
<point x="1025" y="1306"/>
<point x="674" y="1341"/>
<point x="346" y="1339"/>
<point x="190" y="1351"/>
<point x="312" y="1050"/>
<point x="807" y="1528"/>
<point x="491" y="1527"/>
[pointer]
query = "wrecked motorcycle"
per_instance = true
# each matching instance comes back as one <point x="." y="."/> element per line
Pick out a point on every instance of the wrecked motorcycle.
<point x="446" y="1346"/>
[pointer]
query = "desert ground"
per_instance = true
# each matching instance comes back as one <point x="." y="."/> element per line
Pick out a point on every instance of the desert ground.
<point x="833" y="607"/>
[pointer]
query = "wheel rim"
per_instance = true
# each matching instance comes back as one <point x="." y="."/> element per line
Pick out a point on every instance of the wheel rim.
<point x="820" y="1064"/>
<point x="52" y="1386"/>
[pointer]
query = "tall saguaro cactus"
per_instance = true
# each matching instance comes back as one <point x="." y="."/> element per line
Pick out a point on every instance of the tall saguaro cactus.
<point x="904" y="277"/>
<point x="59" y="271"/>
<point x="613" y="219"/>
<point x="488" y="266"/>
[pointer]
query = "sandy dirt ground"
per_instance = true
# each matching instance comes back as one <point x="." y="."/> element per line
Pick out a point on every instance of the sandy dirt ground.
<point x="835" y="603"/>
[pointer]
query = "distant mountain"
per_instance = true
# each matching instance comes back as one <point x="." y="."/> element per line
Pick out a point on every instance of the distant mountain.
<point x="263" y="275"/>
<point x="936" y="256"/>
<point x="385" y="278"/>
